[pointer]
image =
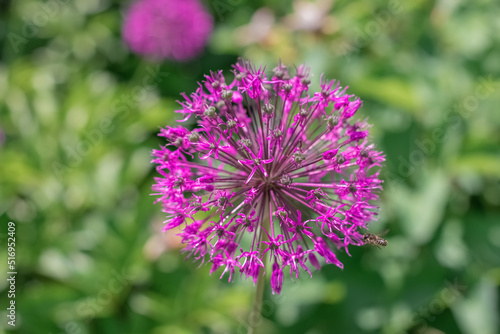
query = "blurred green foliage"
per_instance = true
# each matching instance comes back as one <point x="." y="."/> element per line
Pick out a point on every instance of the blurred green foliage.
<point x="79" y="116"/>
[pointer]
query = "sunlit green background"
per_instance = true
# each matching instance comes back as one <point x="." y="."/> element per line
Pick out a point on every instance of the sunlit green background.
<point x="79" y="116"/>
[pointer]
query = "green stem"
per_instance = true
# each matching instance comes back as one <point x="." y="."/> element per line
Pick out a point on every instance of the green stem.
<point x="255" y="318"/>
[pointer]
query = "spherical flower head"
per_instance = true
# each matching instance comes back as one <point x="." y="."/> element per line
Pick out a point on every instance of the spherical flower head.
<point x="271" y="173"/>
<point x="167" y="28"/>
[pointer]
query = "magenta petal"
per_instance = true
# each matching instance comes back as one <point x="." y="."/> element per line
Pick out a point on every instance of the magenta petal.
<point x="314" y="261"/>
<point x="246" y="162"/>
<point x="251" y="174"/>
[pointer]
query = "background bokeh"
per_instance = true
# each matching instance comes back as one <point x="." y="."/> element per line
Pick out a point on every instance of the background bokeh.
<point x="79" y="115"/>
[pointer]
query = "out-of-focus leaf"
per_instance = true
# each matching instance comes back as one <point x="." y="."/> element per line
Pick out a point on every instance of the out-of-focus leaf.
<point x="482" y="163"/>
<point x="391" y="91"/>
<point x="477" y="312"/>
<point x="422" y="210"/>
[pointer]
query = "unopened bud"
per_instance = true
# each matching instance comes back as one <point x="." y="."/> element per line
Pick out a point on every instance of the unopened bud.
<point x="179" y="141"/>
<point x="227" y="95"/>
<point x="268" y="109"/>
<point x="332" y="121"/>
<point x="303" y="112"/>
<point x="279" y="71"/>
<point x="277" y="133"/>
<point x="299" y="157"/>
<point x="245" y="142"/>
<point x="194" y="137"/>
<point x="305" y="81"/>
<point x="210" y="112"/>
<point x="285" y="180"/>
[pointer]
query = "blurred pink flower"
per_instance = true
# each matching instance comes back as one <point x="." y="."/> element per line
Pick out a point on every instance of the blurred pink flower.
<point x="167" y="28"/>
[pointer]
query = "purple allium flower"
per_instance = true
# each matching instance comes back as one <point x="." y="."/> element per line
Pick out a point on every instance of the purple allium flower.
<point x="167" y="28"/>
<point x="270" y="171"/>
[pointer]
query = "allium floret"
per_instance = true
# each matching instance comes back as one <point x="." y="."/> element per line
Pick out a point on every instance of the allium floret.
<point x="270" y="173"/>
